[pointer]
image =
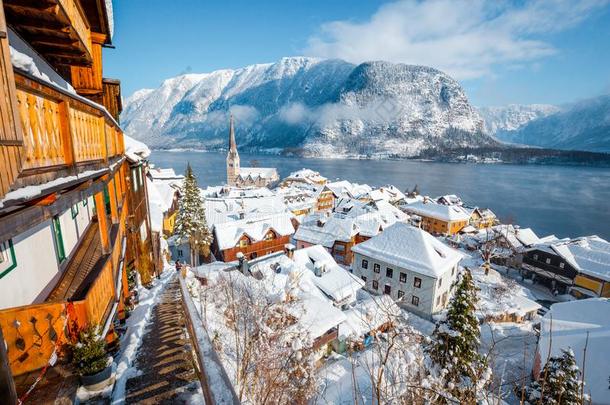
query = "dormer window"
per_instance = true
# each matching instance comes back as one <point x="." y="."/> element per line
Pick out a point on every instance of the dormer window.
<point x="269" y="235"/>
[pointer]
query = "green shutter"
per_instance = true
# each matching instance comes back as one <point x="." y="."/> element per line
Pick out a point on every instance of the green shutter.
<point x="107" y="199"/>
<point x="74" y="210"/>
<point x="59" y="241"/>
<point x="13" y="259"/>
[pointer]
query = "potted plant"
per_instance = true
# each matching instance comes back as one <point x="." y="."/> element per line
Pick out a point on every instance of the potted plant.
<point x="90" y="360"/>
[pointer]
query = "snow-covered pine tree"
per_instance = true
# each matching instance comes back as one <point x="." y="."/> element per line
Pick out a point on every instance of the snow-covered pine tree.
<point x="560" y="382"/>
<point x="453" y="350"/>
<point x="191" y="224"/>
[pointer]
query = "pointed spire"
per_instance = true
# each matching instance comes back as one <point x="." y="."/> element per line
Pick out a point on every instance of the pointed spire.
<point x="232" y="144"/>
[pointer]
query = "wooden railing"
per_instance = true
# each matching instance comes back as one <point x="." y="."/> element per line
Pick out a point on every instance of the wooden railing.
<point x="33" y="332"/>
<point x="61" y="131"/>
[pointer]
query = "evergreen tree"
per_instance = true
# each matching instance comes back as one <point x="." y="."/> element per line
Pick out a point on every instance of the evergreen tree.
<point x="454" y="345"/>
<point x="559" y="382"/>
<point x="191" y="224"/>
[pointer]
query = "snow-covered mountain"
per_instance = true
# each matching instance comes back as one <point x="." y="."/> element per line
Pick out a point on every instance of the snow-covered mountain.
<point x="513" y="116"/>
<point x="581" y="126"/>
<point x="313" y="106"/>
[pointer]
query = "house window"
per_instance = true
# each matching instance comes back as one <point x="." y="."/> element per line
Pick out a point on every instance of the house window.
<point x="440" y="282"/>
<point x="59" y="241"/>
<point x="453" y="271"/>
<point x="387" y="289"/>
<point x="536" y="256"/>
<point x="180" y="253"/>
<point x="400" y="294"/>
<point x="417" y="282"/>
<point x="243" y="242"/>
<point x="548" y="261"/>
<point x="375" y="284"/>
<point x="85" y="202"/>
<point x="340" y="248"/>
<point x="269" y="235"/>
<point x="7" y="258"/>
<point x="107" y="200"/>
<point x="376" y="268"/>
<point x="74" y="210"/>
<point x="389" y="272"/>
<point x="415" y="300"/>
<point x="365" y="264"/>
<point x="403" y="277"/>
<point x="363" y="278"/>
<point x="562" y="265"/>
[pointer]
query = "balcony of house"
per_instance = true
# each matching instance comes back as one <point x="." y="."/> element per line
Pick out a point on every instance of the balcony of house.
<point x="57" y="29"/>
<point x="64" y="137"/>
<point x="90" y="290"/>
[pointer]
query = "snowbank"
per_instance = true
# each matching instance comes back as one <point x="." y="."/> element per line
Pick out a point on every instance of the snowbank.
<point x="135" y="150"/>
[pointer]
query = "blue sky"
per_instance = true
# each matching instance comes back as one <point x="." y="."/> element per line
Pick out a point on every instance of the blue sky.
<point x="520" y="51"/>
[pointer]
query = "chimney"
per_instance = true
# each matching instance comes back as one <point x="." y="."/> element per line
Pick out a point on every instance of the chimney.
<point x="243" y="265"/>
<point x="289" y="249"/>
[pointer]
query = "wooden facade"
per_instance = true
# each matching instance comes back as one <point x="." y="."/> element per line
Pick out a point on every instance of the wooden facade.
<point x="59" y="151"/>
<point x="253" y="249"/>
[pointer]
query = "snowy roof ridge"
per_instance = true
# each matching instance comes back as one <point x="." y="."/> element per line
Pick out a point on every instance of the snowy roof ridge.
<point x="411" y="248"/>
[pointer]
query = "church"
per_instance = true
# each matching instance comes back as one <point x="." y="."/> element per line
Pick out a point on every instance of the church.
<point x="246" y="176"/>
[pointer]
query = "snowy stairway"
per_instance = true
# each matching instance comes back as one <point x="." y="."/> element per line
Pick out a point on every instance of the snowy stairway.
<point x="164" y="360"/>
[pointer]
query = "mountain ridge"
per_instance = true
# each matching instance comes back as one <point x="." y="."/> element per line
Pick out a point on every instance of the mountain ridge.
<point x="314" y="106"/>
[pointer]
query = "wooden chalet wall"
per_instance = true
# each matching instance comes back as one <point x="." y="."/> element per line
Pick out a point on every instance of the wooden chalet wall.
<point x="257" y="249"/>
<point x="11" y="141"/>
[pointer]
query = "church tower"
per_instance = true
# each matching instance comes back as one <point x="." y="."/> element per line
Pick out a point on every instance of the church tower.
<point x="232" y="157"/>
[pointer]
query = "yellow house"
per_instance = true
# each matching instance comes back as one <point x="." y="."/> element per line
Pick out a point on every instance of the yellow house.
<point x="440" y="219"/>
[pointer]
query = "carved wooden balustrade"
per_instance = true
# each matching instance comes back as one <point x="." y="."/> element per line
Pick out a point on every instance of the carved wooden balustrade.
<point x="63" y="134"/>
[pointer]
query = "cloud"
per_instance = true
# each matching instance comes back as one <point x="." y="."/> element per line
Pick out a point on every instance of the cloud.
<point x="465" y="38"/>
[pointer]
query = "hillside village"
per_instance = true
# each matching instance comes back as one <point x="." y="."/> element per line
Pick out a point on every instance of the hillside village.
<point x="123" y="282"/>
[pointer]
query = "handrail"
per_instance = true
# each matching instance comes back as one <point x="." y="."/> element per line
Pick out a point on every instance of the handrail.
<point x="215" y="383"/>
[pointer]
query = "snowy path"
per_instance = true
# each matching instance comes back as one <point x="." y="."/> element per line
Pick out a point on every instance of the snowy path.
<point x="164" y="370"/>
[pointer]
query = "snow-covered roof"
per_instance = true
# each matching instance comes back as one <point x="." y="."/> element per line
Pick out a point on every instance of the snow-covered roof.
<point x="158" y="173"/>
<point x="307" y="176"/>
<point x="236" y="192"/>
<point x="449" y="199"/>
<point x="135" y="150"/>
<point x="411" y="248"/>
<point x="222" y="210"/>
<point x="334" y="281"/>
<point x="334" y="228"/>
<point x="572" y="324"/>
<point x="527" y="236"/>
<point x="229" y="233"/>
<point x="258" y="172"/>
<point x="439" y="211"/>
<point x="367" y="315"/>
<point x="589" y="255"/>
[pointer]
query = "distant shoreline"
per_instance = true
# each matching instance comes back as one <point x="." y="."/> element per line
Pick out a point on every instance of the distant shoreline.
<point x="485" y="156"/>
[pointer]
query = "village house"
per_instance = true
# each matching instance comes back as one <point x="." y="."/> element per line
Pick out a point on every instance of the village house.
<point x="337" y="283"/>
<point x="439" y="219"/>
<point x="579" y="266"/>
<point x="354" y="223"/>
<point x="167" y="184"/>
<point x="579" y="325"/>
<point x="246" y="176"/>
<point x="304" y="176"/>
<point x="410" y="265"/>
<point x="66" y="188"/>
<point x="253" y="237"/>
<point x="300" y="201"/>
<point x="482" y="218"/>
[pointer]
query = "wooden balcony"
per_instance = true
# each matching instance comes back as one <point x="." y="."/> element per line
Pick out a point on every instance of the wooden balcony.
<point x="62" y="135"/>
<point x="57" y="29"/>
<point x="92" y="285"/>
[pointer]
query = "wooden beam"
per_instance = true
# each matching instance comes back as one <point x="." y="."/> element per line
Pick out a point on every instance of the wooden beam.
<point x="8" y="394"/>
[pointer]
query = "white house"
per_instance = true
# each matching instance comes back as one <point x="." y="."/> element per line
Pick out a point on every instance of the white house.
<point x="410" y="265"/>
<point x="335" y="282"/>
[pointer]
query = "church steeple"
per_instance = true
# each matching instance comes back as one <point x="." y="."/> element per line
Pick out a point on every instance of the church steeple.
<point x="232" y="156"/>
<point x="232" y="144"/>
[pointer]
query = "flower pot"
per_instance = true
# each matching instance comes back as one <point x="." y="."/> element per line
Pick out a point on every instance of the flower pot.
<point x="99" y="380"/>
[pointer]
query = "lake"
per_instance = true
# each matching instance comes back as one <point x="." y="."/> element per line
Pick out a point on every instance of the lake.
<point x="561" y="200"/>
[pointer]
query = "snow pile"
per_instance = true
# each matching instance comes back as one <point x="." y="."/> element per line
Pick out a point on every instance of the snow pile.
<point x="135" y="150"/>
<point x="500" y="296"/>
